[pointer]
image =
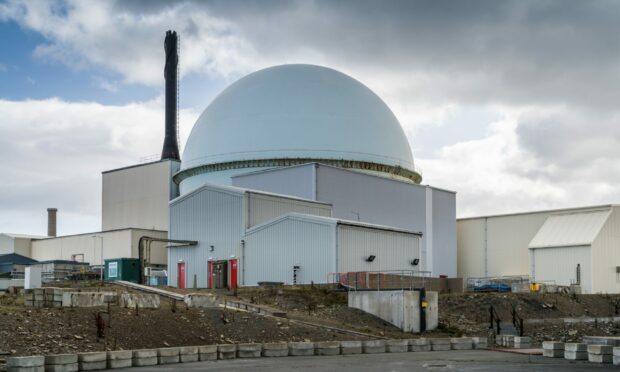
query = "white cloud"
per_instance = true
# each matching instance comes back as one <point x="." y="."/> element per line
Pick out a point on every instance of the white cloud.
<point x="57" y="151"/>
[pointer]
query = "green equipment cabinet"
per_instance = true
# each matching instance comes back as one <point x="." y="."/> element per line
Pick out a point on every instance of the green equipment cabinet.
<point x="127" y="269"/>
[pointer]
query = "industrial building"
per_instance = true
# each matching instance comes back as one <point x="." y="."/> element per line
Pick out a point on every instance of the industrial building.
<point x="328" y="184"/>
<point x="577" y="247"/>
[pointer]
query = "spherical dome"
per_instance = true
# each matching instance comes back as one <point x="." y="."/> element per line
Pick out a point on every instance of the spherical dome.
<point x="295" y="114"/>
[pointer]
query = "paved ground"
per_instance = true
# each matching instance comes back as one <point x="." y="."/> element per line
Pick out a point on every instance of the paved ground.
<point x="475" y="360"/>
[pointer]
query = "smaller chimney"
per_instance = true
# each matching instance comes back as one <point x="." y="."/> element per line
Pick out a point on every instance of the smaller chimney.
<point x="51" y="221"/>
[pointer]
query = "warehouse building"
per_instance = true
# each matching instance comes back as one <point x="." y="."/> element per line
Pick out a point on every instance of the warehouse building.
<point x="577" y="246"/>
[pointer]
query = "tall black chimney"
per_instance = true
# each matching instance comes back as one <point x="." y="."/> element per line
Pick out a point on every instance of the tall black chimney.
<point x="171" y="146"/>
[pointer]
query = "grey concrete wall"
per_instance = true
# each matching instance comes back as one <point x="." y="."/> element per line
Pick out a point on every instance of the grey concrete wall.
<point x="444" y="255"/>
<point x="400" y="308"/>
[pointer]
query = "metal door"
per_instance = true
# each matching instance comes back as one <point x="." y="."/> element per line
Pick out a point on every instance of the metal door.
<point x="181" y="271"/>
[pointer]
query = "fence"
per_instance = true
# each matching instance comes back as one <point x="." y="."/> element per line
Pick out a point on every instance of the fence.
<point x="380" y="280"/>
<point x="494" y="283"/>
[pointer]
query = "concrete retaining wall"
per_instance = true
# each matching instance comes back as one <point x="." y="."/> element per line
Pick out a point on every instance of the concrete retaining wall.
<point x="400" y="308"/>
<point x="131" y="300"/>
<point x="201" y="300"/>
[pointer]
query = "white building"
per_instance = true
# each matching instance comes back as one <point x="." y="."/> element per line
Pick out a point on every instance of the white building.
<point x="315" y="138"/>
<point x="565" y="246"/>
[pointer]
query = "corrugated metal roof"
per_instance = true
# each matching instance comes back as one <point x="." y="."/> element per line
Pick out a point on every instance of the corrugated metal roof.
<point x="572" y="229"/>
<point x="23" y="236"/>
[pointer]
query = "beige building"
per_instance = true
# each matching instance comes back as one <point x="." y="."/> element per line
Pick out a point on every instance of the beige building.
<point x="566" y="246"/>
<point x="137" y="196"/>
<point x="17" y="243"/>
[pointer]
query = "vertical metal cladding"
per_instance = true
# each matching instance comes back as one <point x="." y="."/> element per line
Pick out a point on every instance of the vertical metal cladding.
<point x="559" y="265"/>
<point x="171" y="146"/>
<point x="264" y="207"/>
<point x="51" y="221"/>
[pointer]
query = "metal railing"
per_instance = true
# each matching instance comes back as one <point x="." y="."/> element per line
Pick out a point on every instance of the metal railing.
<point x="380" y="280"/>
<point x="474" y="284"/>
<point x="517" y="321"/>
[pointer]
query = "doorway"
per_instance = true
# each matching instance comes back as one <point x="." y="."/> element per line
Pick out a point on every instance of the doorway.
<point x="220" y="274"/>
<point x="181" y="273"/>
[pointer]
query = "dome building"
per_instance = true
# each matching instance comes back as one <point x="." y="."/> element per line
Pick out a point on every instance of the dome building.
<point x="290" y="115"/>
<point x="296" y="173"/>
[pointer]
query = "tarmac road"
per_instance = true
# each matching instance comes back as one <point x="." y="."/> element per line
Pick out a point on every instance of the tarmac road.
<point x="474" y="360"/>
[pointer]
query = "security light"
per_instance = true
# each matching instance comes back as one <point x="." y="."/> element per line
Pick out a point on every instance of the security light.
<point x="415" y="261"/>
<point x="371" y="258"/>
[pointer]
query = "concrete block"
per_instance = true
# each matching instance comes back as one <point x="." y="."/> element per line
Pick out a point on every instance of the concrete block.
<point x="520" y="342"/>
<point x="461" y="343"/>
<point x="201" y="300"/>
<point x="300" y="348"/>
<point x="373" y="346"/>
<point x="275" y="349"/>
<point x="553" y="353"/>
<point x="92" y="366"/>
<point x="327" y="348"/>
<point x="87" y="299"/>
<point x="419" y="344"/>
<point x="249" y="350"/>
<point x="226" y="351"/>
<point x="479" y="342"/>
<point x="350" y="347"/>
<point x="142" y="358"/>
<point x="600" y="358"/>
<point x="120" y="359"/>
<point x="25" y="369"/>
<point x="553" y="345"/>
<point x="142" y="300"/>
<point x="600" y="349"/>
<point x="397" y="346"/>
<point x="61" y="359"/>
<point x="616" y="351"/>
<point x="71" y="367"/>
<point x="188" y="354"/>
<point x="208" y="352"/>
<point x="509" y="341"/>
<point x="27" y="361"/>
<point x="96" y="356"/>
<point x="616" y="360"/>
<point x="575" y="355"/>
<point x="168" y="355"/>
<point x="440" y="344"/>
<point x="572" y="346"/>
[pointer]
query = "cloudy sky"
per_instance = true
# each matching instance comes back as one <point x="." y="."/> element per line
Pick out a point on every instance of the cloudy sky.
<point x="513" y="104"/>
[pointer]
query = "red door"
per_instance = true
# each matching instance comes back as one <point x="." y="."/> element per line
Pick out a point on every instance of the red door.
<point x="210" y="274"/>
<point x="181" y="272"/>
<point x="233" y="273"/>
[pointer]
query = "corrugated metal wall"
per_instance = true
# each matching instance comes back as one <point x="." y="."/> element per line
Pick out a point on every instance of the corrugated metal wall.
<point x="471" y="248"/>
<point x="560" y="265"/>
<point x="443" y="246"/>
<point x="211" y="217"/>
<point x="393" y="250"/>
<point x="262" y="208"/>
<point x="272" y="251"/>
<point x="606" y="256"/>
<point x="296" y="181"/>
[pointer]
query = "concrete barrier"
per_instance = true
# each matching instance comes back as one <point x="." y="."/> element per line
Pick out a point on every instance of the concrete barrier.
<point x="201" y="300"/>
<point x="574" y="351"/>
<point x="520" y="342"/>
<point x="120" y="359"/>
<point x="553" y="349"/>
<point x="61" y="363"/>
<point x="142" y="358"/>
<point x="616" y="356"/>
<point x="400" y="308"/>
<point x="249" y="350"/>
<point x="275" y="349"/>
<point x="397" y="346"/>
<point x="479" y="342"/>
<point x="23" y="364"/>
<point x="86" y="299"/>
<point x="207" y="352"/>
<point x="92" y="361"/>
<point x="226" y="351"/>
<point x="350" y="347"/>
<point x="147" y="301"/>
<point x="440" y="344"/>
<point x="373" y="346"/>
<point x="419" y="344"/>
<point x="461" y="343"/>
<point x="600" y="353"/>
<point x="300" y="348"/>
<point x="327" y="348"/>
<point x="188" y="354"/>
<point x="168" y="355"/>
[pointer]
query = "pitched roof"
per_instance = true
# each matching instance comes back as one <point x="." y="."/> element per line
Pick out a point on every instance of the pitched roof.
<point x="571" y="229"/>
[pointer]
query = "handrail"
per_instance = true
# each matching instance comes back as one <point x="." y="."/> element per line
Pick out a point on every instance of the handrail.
<point x="517" y="321"/>
<point x="494" y="317"/>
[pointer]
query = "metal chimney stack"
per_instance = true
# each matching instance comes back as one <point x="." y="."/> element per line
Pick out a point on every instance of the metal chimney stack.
<point x="51" y="221"/>
<point x="171" y="146"/>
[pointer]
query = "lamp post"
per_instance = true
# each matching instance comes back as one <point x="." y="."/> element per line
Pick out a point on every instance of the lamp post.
<point x="102" y="263"/>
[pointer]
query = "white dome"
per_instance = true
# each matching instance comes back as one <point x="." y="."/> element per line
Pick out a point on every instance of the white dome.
<point x="291" y="114"/>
